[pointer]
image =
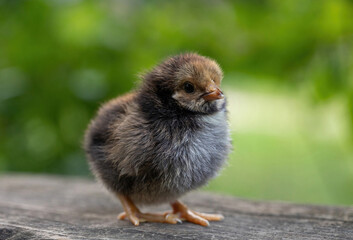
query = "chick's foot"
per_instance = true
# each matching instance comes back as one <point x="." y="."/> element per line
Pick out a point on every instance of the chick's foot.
<point x="195" y="217"/>
<point x="136" y="216"/>
<point x="150" y="217"/>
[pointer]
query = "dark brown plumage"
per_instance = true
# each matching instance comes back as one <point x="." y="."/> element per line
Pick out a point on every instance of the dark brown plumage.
<point x="164" y="139"/>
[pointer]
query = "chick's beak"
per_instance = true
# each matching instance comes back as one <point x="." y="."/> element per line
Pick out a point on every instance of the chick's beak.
<point x="213" y="94"/>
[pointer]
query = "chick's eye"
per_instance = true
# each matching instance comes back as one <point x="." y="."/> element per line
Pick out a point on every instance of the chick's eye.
<point x="188" y="87"/>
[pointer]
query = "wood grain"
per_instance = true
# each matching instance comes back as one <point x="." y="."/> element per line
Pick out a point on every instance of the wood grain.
<point x="51" y="207"/>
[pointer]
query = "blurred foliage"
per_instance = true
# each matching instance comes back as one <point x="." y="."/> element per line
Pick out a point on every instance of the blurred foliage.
<point x="59" y="59"/>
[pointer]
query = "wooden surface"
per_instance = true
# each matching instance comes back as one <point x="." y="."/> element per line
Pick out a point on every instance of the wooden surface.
<point x="48" y="207"/>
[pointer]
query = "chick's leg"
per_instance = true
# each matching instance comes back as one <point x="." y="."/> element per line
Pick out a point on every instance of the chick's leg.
<point x="195" y="217"/>
<point x="136" y="216"/>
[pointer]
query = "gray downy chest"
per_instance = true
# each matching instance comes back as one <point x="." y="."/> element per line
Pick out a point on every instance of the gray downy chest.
<point x="191" y="158"/>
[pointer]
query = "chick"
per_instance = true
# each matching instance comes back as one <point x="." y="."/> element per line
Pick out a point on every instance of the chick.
<point x="164" y="139"/>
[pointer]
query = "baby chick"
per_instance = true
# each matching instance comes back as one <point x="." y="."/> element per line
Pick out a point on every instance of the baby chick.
<point x="166" y="138"/>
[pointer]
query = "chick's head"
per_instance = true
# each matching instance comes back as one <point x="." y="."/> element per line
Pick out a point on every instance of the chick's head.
<point x="191" y="80"/>
<point x="197" y="85"/>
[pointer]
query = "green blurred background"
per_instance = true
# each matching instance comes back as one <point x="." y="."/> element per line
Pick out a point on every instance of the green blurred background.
<point x="288" y="78"/>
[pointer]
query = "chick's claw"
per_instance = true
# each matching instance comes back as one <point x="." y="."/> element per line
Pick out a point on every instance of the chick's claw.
<point x="172" y="217"/>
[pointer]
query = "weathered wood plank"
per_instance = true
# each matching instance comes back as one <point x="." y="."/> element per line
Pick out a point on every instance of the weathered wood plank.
<point x="48" y="207"/>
